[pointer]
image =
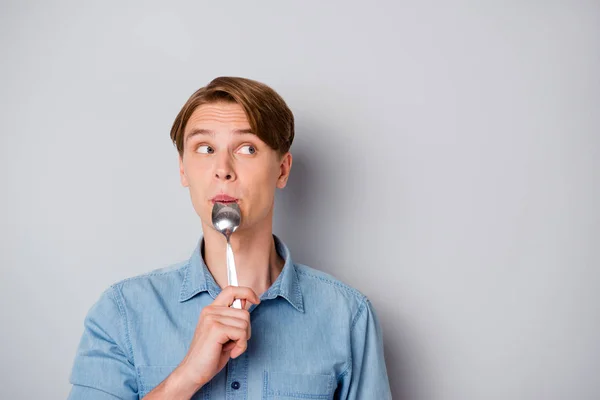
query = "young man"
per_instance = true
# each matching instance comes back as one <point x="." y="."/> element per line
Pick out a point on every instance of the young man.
<point x="172" y="333"/>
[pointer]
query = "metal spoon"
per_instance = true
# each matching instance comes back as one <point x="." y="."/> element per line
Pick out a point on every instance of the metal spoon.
<point x="226" y="218"/>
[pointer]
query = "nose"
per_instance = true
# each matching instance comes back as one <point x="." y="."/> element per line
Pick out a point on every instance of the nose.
<point x="224" y="168"/>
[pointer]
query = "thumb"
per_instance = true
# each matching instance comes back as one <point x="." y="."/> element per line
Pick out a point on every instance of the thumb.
<point x="246" y="305"/>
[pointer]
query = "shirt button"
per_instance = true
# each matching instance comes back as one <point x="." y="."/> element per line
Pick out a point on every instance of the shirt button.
<point x="235" y="385"/>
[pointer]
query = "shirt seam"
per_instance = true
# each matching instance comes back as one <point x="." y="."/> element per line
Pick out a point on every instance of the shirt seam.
<point x="361" y="307"/>
<point x="183" y="290"/>
<point x="359" y="313"/>
<point x="361" y="297"/>
<point x="150" y="274"/>
<point x="117" y="297"/>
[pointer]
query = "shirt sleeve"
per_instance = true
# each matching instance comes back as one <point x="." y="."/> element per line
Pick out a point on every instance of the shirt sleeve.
<point x="366" y="376"/>
<point x="103" y="368"/>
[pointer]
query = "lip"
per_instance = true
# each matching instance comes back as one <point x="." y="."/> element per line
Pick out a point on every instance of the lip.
<point x="223" y="198"/>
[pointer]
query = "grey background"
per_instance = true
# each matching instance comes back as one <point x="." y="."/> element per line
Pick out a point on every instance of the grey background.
<point x="446" y="165"/>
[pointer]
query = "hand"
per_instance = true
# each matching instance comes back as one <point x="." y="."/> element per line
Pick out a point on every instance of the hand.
<point x="222" y="333"/>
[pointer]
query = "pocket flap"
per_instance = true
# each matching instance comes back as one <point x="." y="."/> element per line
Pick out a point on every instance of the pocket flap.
<point x="290" y="384"/>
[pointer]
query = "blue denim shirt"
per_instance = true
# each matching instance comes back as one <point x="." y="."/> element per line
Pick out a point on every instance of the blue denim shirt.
<point x="313" y="337"/>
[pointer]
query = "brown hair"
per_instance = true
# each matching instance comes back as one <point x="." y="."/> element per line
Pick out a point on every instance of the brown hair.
<point x="269" y="117"/>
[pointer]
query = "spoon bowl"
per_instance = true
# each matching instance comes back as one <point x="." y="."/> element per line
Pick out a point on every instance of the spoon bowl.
<point x="226" y="218"/>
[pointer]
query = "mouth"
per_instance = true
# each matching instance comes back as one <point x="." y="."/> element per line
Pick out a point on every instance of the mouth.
<point x="223" y="198"/>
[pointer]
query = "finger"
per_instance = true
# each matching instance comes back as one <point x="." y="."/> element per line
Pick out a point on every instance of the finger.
<point x="230" y="293"/>
<point x="228" y="346"/>
<point x="246" y="304"/>
<point x="236" y="335"/>
<point x="225" y="333"/>
<point x="219" y="311"/>
<point x="234" y="322"/>
<point x="239" y="348"/>
<point x="237" y="351"/>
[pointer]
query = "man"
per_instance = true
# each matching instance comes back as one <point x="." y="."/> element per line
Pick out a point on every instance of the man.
<point x="172" y="333"/>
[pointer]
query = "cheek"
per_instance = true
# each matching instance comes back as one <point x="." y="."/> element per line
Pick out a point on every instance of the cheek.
<point x="260" y="177"/>
<point x="198" y="177"/>
<point x="256" y="185"/>
<point x="197" y="170"/>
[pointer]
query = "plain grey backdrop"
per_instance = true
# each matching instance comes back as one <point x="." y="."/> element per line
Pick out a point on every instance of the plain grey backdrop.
<point x="446" y="165"/>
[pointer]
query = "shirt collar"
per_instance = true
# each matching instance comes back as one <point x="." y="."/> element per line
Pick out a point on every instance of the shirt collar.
<point x="197" y="278"/>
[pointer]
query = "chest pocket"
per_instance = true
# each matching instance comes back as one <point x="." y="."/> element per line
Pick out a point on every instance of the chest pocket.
<point x="286" y="385"/>
<point x="151" y="376"/>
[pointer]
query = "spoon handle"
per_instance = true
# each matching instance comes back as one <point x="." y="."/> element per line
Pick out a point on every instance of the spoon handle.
<point x="232" y="274"/>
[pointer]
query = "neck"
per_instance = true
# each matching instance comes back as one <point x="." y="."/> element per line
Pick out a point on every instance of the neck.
<point x="257" y="263"/>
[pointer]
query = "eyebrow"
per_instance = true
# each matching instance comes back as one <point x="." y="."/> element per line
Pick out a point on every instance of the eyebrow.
<point x="195" y="132"/>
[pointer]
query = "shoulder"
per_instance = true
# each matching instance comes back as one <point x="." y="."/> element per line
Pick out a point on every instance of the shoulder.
<point x="323" y="288"/>
<point x="341" y="300"/>
<point x="167" y="272"/>
<point x="165" y="281"/>
<point x="309" y="275"/>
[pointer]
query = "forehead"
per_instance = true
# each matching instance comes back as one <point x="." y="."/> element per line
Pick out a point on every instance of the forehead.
<point x="219" y="114"/>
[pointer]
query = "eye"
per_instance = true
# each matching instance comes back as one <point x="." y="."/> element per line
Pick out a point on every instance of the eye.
<point x="248" y="149"/>
<point x="205" y="149"/>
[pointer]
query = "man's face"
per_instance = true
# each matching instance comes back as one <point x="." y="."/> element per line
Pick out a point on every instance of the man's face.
<point x="222" y="158"/>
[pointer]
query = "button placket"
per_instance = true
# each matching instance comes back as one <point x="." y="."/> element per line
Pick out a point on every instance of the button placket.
<point x="237" y="374"/>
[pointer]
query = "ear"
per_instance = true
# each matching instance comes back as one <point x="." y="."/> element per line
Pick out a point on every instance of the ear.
<point x="182" y="176"/>
<point x="284" y="170"/>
